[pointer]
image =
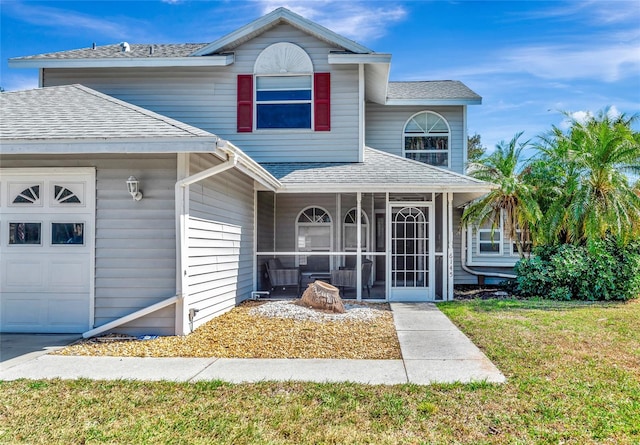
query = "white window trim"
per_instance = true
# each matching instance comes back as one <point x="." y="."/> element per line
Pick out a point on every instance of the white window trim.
<point x="364" y="223"/>
<point x="500" y="231"/>
<point x="312" y="224"/>
<point x="283" y="59"/>
<point x="489" y="259"/>
<point x="275" y="102"/>
<point x="448" y="135"/>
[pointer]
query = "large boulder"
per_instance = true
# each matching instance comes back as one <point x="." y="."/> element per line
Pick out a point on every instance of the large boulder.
<point x="322" y="296"/>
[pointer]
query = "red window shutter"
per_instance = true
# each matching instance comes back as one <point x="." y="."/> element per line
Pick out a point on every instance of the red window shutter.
<point x="245" y="103"/>
<point x="322" y="101"/>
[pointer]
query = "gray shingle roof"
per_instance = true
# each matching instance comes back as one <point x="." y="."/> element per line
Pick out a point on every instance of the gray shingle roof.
<point x="115" y="52"/>
<point x="379" y="170"/>
<point x="431" y="90"/>
<point x="76" y="112"/>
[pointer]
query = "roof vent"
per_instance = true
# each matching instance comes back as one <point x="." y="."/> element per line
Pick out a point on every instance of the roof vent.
<point x="124" y="47"/>
<point x="93" y="46"/>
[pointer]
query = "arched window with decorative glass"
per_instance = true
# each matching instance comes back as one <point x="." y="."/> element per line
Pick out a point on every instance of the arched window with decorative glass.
<point x="350" y="231"/>
<point x="314" y="233"/>
<point x="426" y="138"/>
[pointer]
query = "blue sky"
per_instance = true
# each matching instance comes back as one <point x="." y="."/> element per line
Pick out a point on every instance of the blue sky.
<point x="528" y="59"/>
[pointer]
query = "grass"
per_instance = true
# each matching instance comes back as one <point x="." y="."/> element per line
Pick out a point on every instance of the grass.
<point x="573" y="374"/>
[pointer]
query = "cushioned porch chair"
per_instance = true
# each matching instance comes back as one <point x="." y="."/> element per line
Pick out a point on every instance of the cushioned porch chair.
<point x="348" y="277"/>
<point x="279" y="276"/>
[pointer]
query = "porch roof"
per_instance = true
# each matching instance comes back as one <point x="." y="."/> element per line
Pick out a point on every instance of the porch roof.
<point x="380" y="172"/>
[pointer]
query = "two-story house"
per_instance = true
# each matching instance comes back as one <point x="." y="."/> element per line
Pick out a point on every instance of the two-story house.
<point x="145" y="187"/>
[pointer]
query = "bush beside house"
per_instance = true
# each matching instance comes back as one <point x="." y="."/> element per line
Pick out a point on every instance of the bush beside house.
<point x="604" y="271"/>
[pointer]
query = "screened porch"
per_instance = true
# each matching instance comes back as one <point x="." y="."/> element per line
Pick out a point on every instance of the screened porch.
<point x="372" y="246"/>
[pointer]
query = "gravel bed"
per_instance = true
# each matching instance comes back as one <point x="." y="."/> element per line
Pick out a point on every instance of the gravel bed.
<point x="294" y="311"/>
<point x="258" y="329"/>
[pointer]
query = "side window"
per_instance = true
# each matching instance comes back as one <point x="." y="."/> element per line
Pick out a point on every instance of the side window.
<point x="426" y="138"/>
<point x="489" y="238"/>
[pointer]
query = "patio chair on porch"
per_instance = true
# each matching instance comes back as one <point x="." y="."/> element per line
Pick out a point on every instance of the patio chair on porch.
<point x="348" y="277"/>
<point x="279" y="276"/>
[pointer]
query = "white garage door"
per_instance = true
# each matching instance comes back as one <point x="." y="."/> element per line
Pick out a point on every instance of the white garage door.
<point x="47" y="226"/>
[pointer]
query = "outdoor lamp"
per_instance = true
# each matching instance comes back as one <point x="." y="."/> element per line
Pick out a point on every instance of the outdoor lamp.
<point x="133" y="187"/>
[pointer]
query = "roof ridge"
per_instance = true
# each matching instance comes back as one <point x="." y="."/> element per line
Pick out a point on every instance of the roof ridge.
<point x="152" y="114"/>
<point x="277" y="15"/>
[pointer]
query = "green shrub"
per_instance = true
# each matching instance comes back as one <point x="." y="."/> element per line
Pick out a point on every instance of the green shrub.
<point x="603" y="271"/>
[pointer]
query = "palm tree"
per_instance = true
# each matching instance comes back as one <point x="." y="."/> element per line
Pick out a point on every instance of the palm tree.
<point x="594" y="197"/>
<point x="514" y="197"/>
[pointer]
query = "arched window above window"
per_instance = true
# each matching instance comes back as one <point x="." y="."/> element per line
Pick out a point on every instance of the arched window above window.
<point x="314" y="215"/>
<point x="284" y="92"/>
<point x="314" y="233"/>
<point x="427" y="138"/>
<point x="283" y="58"/>
<point x="350" y="230"/>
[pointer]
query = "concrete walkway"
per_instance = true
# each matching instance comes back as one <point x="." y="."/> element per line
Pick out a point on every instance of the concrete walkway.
<point x="433" y="350"/>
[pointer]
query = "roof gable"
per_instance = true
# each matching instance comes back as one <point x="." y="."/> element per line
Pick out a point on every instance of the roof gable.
<point x="274" y="18"/>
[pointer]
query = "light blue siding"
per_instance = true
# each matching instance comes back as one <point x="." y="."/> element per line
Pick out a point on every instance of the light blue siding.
<point x="205" y="97"/>
<point x="385" y="125"/>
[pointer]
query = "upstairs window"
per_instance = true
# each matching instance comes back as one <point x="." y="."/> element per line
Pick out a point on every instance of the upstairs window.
<point x="283" y="92"/>
<point x="426" y="139"/>
<point x="283" y="102"/>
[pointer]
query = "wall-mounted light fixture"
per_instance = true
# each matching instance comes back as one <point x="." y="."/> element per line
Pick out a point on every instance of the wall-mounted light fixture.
<point x="133" y="185"/>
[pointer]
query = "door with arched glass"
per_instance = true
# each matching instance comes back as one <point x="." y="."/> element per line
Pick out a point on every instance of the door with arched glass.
<point x="410" y="253"/>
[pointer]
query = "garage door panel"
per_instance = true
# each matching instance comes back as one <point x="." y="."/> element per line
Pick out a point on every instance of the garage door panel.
<point x="65" y="312"/>
<point x="21" y="311"/>
<point x="23" y="274"/>
<point x="45" y="312"/>
<point x="69" y="275"/>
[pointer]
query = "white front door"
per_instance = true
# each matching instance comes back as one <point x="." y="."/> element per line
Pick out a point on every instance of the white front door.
<point x="410" y="254"/>
<point x="47" y="226"/>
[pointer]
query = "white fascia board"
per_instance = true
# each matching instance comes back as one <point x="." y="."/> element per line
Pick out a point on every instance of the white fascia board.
<point x="218" y="60"/>
<point x="288" y="17"/>
<point x="434" y="101"/>
<point x="347" y="59"/>
<point x="381" y="188"/>
<point x="151" y="145"/>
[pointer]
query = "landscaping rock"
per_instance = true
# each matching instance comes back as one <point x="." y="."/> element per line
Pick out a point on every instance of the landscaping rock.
<point x="322" y="296"/>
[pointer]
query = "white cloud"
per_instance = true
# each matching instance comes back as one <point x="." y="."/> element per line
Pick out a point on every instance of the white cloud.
<point x="65" y="20"/>
<point x="360" y="21"/>
<point x="604" y="62"/>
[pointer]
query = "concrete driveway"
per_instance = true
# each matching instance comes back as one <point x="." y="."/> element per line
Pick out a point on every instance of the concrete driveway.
<point x="19" y="348"/>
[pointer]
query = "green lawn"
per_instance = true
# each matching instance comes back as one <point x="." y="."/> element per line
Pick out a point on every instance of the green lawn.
<point x="573" y="374"/>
